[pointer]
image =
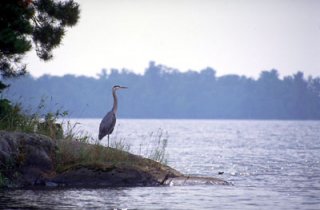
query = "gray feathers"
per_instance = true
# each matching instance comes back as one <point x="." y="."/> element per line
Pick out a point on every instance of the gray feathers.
<point x="107" y="124"/>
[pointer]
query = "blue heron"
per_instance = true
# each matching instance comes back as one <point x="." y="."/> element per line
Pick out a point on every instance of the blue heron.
<point x="109" y="121"/>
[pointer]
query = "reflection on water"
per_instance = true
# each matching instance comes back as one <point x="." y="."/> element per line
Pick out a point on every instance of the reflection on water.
<point x="272" y="164"/>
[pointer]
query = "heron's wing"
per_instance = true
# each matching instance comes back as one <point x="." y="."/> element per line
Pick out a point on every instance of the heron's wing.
<point x="107" y="124"/>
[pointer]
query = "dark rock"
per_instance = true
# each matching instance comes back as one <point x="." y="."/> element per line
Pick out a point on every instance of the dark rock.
<point x="112" y="177"/>
<point x="25" y="158"/>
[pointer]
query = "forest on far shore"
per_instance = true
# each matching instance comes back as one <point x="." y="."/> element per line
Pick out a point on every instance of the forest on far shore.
<point x="164" y="92"/>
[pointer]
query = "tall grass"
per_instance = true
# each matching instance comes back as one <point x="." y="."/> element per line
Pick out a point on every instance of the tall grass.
<point x="119" y="142"/>
<point x="79" y="147"/>
<point x="154" y="146"/>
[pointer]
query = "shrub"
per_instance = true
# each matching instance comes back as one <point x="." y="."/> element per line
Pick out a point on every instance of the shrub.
<point x="14" y="118"/>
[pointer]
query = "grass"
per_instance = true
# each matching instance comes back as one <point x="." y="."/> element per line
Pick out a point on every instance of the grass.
<point x="77" y="149"/>
<point x="155" y="149"/>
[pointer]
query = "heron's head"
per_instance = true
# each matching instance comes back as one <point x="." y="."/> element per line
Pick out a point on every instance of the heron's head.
<point x="117" y="87"/>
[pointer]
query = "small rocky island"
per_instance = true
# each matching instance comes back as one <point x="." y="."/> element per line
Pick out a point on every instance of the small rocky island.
<point x="30" y="160"/>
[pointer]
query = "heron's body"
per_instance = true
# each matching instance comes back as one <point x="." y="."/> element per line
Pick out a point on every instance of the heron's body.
<point x="109" y="121"/>
<point x="107" y="124"/>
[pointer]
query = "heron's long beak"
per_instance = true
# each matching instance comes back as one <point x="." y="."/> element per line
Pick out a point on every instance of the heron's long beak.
<point x="123" y="87"/>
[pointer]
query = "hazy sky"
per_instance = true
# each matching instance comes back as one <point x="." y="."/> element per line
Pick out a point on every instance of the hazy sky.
<point x="232" y="36"/>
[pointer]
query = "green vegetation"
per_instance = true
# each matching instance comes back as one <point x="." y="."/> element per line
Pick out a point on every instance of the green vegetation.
<point x="14" y="118"/>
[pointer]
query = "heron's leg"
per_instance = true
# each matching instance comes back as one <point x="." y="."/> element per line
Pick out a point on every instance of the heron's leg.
<point x="108" y="140"/>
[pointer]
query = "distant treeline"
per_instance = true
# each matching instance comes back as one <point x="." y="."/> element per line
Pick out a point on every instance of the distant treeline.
<point x="163" y="92"/>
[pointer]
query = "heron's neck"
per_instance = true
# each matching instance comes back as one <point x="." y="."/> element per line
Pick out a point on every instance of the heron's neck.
<point x="115" y="102"/>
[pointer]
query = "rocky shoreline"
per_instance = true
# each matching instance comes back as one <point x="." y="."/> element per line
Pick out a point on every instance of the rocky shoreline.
<point x="29" y="160"/>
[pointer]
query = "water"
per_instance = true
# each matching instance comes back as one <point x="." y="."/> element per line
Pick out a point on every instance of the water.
<point x="272" y="164"/>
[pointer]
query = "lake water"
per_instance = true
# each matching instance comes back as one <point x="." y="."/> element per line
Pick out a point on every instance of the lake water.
<point x="272" y="165"/>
